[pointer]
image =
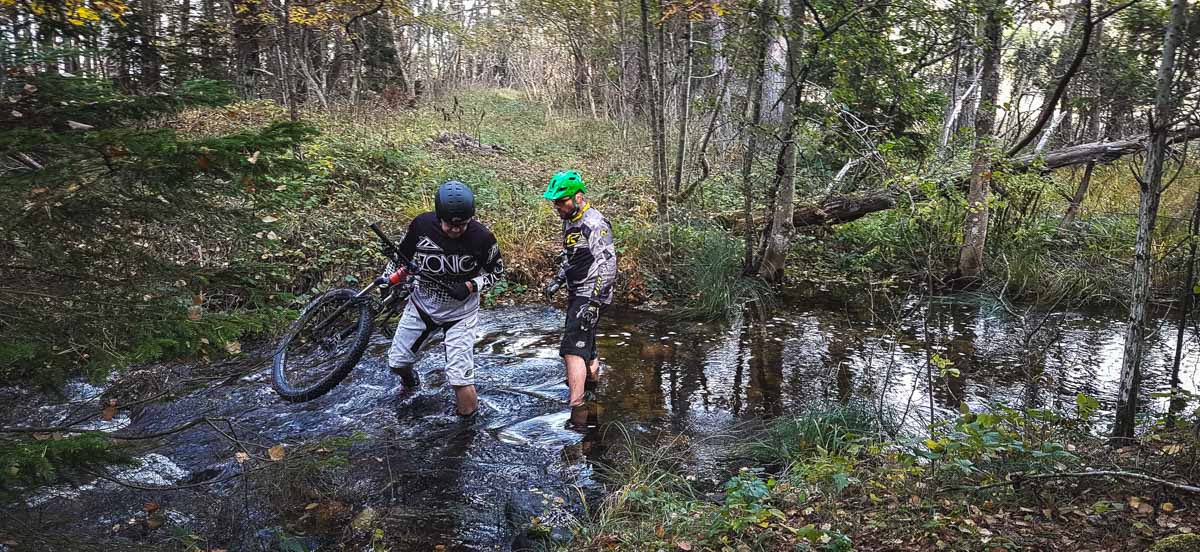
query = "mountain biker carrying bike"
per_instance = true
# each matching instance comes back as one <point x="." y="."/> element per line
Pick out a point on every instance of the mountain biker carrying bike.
<point x="589" y="270"/>
<point x="457" y="258"/>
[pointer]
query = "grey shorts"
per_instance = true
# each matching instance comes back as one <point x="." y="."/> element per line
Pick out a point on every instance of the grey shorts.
<point x="414" y="331"/>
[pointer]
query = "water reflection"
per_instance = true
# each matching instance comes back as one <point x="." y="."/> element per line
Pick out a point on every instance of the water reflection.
<point x="916" y="356"/>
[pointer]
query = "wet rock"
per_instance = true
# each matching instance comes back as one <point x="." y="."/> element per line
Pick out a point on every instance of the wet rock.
<point x="365" y="520"/>
<point x="537" y="516"/>
<point x="1189" y="542"/>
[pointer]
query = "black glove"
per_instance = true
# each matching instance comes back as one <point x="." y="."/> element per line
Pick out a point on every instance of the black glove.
<point x="459" y="291"/>
<point x="588" y="315"/>
<point x="552" y="288"/>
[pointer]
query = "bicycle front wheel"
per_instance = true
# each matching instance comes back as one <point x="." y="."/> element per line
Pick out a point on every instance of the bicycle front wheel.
<point x="322" y="346"/>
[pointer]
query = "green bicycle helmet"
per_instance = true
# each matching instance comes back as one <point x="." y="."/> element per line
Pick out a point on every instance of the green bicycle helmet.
<point x="564" y="184"/>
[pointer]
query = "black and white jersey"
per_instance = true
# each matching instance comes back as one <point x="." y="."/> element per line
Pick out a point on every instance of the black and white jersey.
<point x="591" y="267"/>
<point x="440" y="260"/>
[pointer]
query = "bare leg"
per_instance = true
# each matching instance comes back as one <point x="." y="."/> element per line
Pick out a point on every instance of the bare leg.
<point x="594" y="369"/>
<point x="576" y="377"/>
<point x="580" y="415"/>
<point x="466" y="400"/>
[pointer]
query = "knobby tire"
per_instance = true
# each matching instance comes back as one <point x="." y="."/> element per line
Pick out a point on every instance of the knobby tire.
<point x="342" y="366"/>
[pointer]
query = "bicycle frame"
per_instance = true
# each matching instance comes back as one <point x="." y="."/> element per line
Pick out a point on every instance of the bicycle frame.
<point x="401" y="277"/>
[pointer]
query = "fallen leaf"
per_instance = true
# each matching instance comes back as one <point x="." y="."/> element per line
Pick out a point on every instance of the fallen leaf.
<point x="276" y="452"/>
<point x="233" y="347"/>
<point x="1145" y="508"/>
<point x="684" y="545"/>
<point x="269" y="219"/>
<point x="195" y="312"/>
<point x="17" y="114"/>
<point x="272" y="236"/>
<point x="79" y="126"/>
<point x="150" y="506"/>
<point x="311" y="506"/>
<point x="241" y="457"/>
<point x="1168" y="507"/>
<point x="42" y="436"/>
<point x="1173" y="449"/>
<point x="154" y="522"/>
<point x="281" y="188"/>
<point x="109" y="411"/>
<point x="253" y="158"/>
<point x="439" y="547"/>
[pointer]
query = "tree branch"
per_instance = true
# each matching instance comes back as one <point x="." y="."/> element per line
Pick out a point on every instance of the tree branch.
<point x="1051" y="102"/>
<point x="1017" y="479"/>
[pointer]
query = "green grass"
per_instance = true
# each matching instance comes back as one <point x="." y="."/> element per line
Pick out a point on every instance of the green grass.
<point x="831" y="430"/>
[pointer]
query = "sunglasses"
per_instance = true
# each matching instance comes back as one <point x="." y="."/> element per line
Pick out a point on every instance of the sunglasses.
<point x="456" y="225"/>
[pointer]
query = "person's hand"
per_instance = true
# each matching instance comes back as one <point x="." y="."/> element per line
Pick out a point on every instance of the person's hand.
<point x="552" y="288"/>
<point x="588" y="315"/>
<point x="459" y="291"/>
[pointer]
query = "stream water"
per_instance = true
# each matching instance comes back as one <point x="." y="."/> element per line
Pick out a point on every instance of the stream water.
<point x="423" y="478"/>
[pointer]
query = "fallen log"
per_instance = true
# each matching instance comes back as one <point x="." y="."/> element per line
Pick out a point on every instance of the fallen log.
<point x="839" y="208"/>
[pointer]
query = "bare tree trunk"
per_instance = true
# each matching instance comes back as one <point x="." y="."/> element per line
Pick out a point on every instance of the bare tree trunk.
<point x="970" y="259"/>
<point x="401" y="49"/>
<point x="754" y="97"/>
<point x="1077" y="199"/>
<point x="1150" y="193"/>
<point x="652" y="89"/>
<point x="778" y="240"/>
<point x="246" y="47"/>
<point x="660" y="133"/>
<point x="1185" y="293"/>
<point x="685" y="104"/>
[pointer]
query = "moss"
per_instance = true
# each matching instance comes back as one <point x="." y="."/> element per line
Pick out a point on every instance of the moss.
<point x="1189" y="542"/>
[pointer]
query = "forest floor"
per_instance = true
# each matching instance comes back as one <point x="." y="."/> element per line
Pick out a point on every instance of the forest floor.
<point x="805" y="483"/>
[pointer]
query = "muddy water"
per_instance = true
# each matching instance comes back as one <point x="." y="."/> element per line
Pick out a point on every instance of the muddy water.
<point x="424" y="478"/>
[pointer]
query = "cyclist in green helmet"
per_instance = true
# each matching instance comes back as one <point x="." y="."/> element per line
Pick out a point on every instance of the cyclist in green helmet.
<point x="588" y="271"/>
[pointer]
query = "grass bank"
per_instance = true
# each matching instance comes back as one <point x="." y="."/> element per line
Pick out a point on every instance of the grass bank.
<point x="839" y="479"/>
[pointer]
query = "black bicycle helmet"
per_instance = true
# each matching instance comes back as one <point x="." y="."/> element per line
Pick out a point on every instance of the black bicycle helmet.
<point x="454" y="202"/>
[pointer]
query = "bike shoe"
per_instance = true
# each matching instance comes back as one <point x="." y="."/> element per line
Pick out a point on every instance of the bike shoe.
<point x="408" y="377"/>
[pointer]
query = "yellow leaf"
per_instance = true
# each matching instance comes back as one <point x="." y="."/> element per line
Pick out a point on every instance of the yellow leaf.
<point x="276" y="452"/>
<point x="1168" y="507"/>
<point x="109" y="411"/>
<point x="233" y="347"/>
<point x="311" y="506"/>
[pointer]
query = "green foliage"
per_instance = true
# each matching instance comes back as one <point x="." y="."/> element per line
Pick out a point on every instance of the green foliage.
<point x="838" y="429"/>
<point x="1003" y="440"/>
<point x="113" y="221"/>
<point x="706" y="274"/>
<point x="747" y="503"/>
<point x="31" y="462"/>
